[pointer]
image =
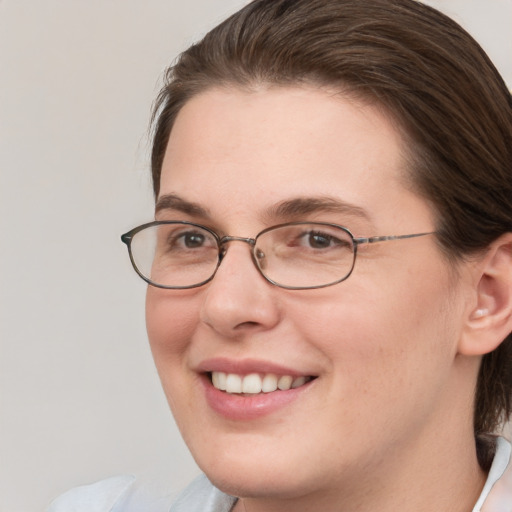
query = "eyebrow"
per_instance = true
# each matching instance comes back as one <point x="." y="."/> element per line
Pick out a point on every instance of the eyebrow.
<point x="284" y="210"/>
<point x="177" y="203"/>
<point x="294" y="208"/>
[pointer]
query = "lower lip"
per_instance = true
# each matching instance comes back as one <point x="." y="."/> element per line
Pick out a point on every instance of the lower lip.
<point x="249" y="407"/>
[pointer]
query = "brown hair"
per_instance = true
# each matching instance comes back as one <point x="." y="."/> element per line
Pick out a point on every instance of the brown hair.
<point x="430" y="76"/>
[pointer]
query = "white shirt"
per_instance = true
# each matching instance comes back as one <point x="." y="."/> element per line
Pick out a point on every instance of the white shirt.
<point x="123" y="494"/>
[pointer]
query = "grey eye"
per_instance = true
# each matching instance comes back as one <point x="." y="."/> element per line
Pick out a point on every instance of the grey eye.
<point x="193" y="240"/>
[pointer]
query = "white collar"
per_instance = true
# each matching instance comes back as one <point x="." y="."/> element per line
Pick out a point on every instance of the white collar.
<point x="497" y="492"/>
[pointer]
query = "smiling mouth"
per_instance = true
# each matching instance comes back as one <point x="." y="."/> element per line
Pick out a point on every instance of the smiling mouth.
<point x="255" y="383"/>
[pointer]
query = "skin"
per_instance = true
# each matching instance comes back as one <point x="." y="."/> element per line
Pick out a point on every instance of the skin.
<point x="387" y="423"/>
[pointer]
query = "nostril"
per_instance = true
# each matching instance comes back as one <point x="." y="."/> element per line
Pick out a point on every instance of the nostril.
<point x="246" y="325"/>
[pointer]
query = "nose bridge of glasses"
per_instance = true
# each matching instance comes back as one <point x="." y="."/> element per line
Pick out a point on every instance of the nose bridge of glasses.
<point x="225" y="239"/>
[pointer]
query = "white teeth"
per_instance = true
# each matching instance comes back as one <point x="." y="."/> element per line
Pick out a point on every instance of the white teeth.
<point x="285" y="382"/>
<point x="254" y="383"/>
<point x="233" y="383"/>
<point x="219" y="380"/>
<point x="251" y="384"/>
<point x="269" y="383"/>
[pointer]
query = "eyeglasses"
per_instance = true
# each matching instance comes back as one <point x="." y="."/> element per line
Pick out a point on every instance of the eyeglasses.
<point x="295" y="255"/>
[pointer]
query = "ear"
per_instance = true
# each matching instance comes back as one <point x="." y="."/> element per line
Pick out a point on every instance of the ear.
<point x="489" y="321"/>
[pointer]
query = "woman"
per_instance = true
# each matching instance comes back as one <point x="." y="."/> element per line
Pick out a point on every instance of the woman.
<point x="330" y="266"/>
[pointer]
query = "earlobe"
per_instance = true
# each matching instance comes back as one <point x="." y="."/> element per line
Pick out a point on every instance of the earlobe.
<point x="490" y="320"/>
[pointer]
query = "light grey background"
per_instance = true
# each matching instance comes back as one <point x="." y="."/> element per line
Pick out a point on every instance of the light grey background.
<point x="79" y="397"/>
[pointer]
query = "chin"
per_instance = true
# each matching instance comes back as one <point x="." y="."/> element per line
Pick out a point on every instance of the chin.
<point x="254" y="473"/>
<point x="266" y="484"/>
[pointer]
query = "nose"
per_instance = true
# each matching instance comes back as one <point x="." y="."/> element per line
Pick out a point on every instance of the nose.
<point x="239" y="300"/>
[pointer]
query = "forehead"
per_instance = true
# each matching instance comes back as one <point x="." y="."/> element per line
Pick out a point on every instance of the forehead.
<point x="232" y="149"/>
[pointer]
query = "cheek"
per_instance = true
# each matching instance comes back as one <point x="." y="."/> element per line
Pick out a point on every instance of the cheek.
<point x="170" y="320"/>
<point x="377" y="338"/>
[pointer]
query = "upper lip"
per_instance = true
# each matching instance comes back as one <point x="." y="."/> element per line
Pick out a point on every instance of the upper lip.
<point x="247" y="366"/>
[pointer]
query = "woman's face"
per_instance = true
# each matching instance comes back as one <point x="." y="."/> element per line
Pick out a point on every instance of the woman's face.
<point x="378" y="350"/>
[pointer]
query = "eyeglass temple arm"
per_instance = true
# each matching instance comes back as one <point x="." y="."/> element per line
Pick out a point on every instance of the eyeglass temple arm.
<point x="374" y="239"/>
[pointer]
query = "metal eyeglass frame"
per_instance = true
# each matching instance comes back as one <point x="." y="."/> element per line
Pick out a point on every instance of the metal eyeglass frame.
<point x="221" y="241"/>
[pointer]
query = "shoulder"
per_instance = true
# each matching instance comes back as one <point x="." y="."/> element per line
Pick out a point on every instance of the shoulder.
<point x="125" y="494"/>
<point x="98" y="497"/>
<point x="497" y="493"/>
